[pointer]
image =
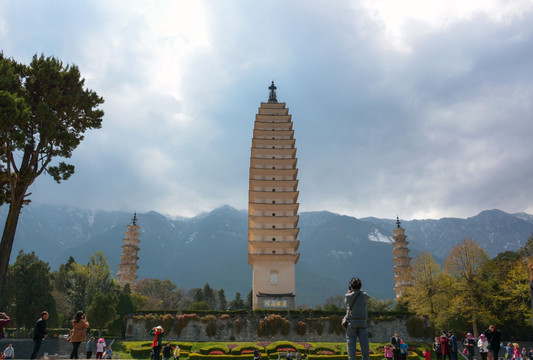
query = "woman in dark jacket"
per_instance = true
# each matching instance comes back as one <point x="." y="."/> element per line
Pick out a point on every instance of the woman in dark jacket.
<point x="470" y="345"/>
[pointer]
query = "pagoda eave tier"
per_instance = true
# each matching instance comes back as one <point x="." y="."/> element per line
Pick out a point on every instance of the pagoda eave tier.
<point x="260" y="209"/>
<point x="257" y="258"/>
<point x="270" y="196"/>
<point x="255" y="222"/>
<point x="261" y="246"/>
<point x="273" y="143"/>
<point x="278" y="133"/>
<point x="282" y="116"/>
<point x="269" y="185"/>
<point x="268" y="163"/>
<point x="288" y="153"/>
<point x="273" y="174"/>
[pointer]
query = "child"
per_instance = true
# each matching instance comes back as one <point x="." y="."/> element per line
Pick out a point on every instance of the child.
<point x="403" y="350"/>
<point x="100" y="346"/>
<point x="427" y="354"/>
<point x="167" y="351"/>
<point x="176" y="352"/>
<point x="388" y="352"/>
<point x="108" y="354"/>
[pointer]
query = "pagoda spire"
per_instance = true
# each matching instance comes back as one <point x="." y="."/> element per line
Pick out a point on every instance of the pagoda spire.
<point x="272" y="95"/>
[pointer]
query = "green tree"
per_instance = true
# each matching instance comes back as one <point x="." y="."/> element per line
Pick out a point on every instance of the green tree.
<point x="237" y="303"/>
<point x="61" y="288"/>
<point x="222" y="302"/>
<point x="424" y="276"/>
<point x="334" y="303"/>
<point x="379" y="306"/>
<point x="209" y="296"/>
<point x="29" y="290"/>
<point x="83" y="282"/>
<point x="199" y="305"/>
<point x="102" y="311"/>
<point x="161" y="294"/>
<point x="465" y="263"/>
<point x="44" y="112"/>
<point x="125" y="306"/>
<point x="249" y="303"/>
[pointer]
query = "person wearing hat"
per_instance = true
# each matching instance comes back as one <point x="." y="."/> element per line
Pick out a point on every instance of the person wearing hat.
<point x="158" y="334"/>
<point x="483" y="346"/>
<point x="470" y="344"/>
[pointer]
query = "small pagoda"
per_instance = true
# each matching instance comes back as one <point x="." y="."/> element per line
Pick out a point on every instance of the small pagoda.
<point x="401" y="260"/>
<point x="127" y="269"/>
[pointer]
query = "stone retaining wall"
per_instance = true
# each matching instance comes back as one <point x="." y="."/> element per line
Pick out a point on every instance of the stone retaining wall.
<point x="310" y="328"/>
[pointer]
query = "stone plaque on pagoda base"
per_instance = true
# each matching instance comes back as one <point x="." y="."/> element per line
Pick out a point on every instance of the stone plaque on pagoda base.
<point x="275" y="301"/>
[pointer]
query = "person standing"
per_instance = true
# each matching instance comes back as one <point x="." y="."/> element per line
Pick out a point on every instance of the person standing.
<point x="39" y="333"/>
<point x="453" y="345"/>
<point x="9" y="352"/>
<point x="396" y="342"/>
<point x="100" y="347"/>
<point x="445" y="346"/>
<point x="177" y="352"/>
<point x="159" y="333"/>
<point x="494" y="338"/>
<point x="483" y="346"/>
<point x="403" y="350"/>
<point x="78" y="332"/>
<point x="90" y="348"/>
<point x="356" y="314"/>
<point x="470" y="344"/>
<point x="387" y="352"/>
<point x="4" y="320"/>
<point x="167" y="351"/>
<point x="437" y="348"/>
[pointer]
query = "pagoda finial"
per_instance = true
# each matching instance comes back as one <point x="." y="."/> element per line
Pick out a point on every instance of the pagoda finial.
<point x="272" y="96"/>
<point x="398" y="222"/>
<point x="134" y="220"/>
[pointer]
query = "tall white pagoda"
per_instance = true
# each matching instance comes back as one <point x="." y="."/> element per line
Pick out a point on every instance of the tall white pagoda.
<point x="273" y="207"/>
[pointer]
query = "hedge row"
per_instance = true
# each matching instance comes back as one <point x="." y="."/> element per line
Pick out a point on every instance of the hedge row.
<point x="143" y="350"/>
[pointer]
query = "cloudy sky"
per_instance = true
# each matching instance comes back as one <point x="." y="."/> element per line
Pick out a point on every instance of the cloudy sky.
<point x="421" y="109"/>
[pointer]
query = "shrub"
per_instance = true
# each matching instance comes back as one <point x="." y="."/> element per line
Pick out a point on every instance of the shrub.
<point x="211" y="329"/>
<point x="246" y="349"/>
<point x="206" y="350"/>
<point x="319" y="349"/>
<point x="182" y="321"/>
<point x="334" y="324"/>
<point x="239" y="325"/>
<point x="301" y="328"/>
<point x="279" y="346"/>
<point x="417" y="327"/>
<point x="272" y="325"/>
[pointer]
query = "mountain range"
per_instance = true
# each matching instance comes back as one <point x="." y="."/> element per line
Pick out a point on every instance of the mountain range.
<point x="212" y="247"/>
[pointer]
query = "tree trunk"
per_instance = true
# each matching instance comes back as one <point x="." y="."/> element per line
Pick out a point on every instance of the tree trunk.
<point x="474" y="324"/>
<point x="8" y="237"/>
